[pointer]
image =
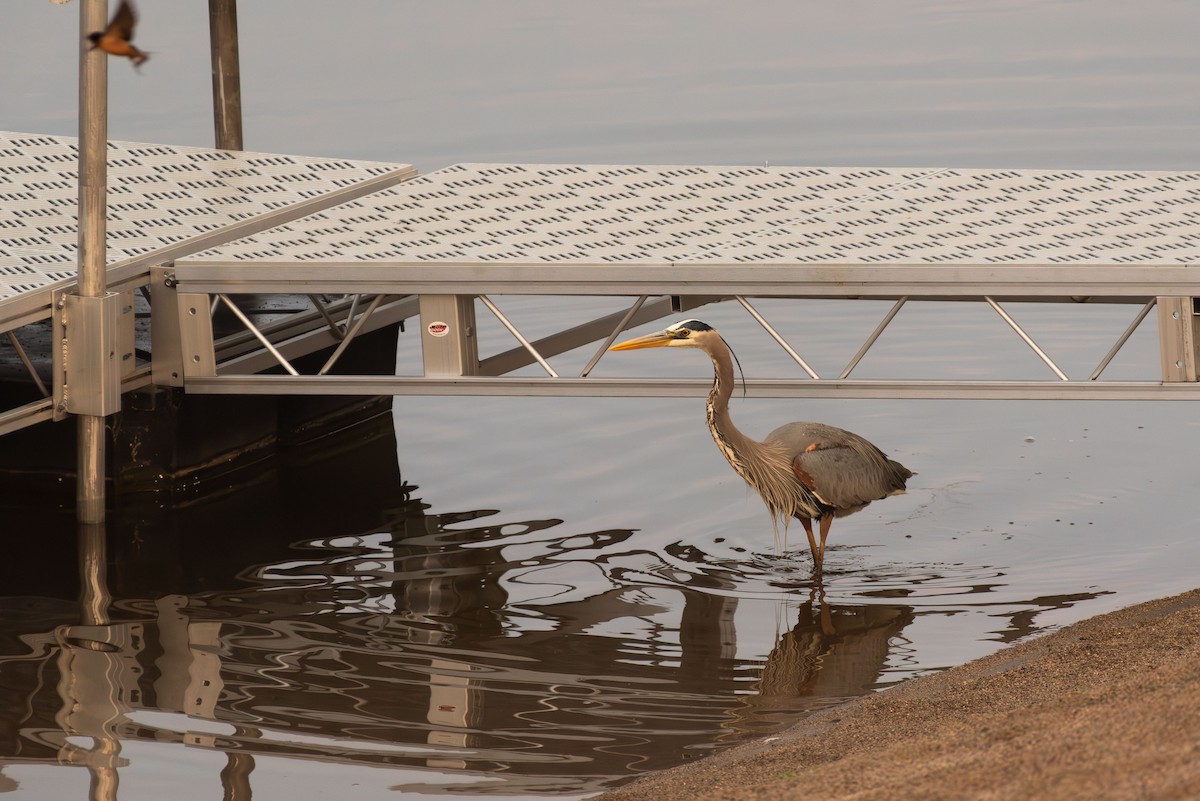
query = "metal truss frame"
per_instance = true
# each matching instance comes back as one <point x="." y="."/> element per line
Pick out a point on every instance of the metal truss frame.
<point x="450" y="350"/>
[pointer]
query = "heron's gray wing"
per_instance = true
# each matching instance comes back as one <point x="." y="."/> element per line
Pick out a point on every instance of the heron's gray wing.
<point x="844" y="478"/>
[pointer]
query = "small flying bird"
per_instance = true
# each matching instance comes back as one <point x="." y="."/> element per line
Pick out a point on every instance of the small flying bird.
<point x="117" y="38"/>
<point x="810" y="471"/>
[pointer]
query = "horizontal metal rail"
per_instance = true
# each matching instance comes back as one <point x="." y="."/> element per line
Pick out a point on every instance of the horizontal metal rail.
<point x="686" y="387"/>
<point x="1005" y="281"/>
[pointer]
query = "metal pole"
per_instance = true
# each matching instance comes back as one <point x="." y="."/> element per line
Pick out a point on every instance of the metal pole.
<point x="226" y="73"/>
<point x="93" y="179"/>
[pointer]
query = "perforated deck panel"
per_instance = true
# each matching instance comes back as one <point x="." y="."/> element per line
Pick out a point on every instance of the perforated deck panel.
<point x="158" y="195"/>
<point x="573" y="214"/>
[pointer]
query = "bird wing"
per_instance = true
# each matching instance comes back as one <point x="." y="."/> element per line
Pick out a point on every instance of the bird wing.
<point x="122" y="22"/>
<point x="840" y="477"/>
<point x="841" y="468"/>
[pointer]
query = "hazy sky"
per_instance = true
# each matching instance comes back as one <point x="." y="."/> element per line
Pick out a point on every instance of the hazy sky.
<point x="1052" y="83"/>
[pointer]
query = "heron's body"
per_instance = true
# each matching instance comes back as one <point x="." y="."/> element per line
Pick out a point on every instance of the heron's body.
<point x="809" y="471"/>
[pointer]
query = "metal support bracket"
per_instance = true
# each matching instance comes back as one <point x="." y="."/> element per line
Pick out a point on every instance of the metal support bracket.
<point x="196" y="334"/>
<point x="94" y="350"/>
<point x="166" y="366"/>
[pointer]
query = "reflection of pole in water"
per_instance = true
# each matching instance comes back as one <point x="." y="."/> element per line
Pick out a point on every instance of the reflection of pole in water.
<point x="94" y="597"/>
<point x="100" y="675"/>
<point x="440" y="585"/>
<point x="707" y="637"/>
<point x="98" y="671"/>
<point x="189" y="681"/>
<point x="235" y="776"/>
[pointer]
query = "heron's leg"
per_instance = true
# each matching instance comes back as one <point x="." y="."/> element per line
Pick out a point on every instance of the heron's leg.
<point x="826" y="521"/>
<point x="812" y="542"/>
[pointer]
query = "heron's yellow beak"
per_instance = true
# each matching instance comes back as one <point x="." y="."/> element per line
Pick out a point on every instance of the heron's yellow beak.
<point x="658" y="339"/>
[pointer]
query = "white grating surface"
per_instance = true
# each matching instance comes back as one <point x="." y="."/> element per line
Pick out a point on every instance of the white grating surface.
<point x="158" y="195"/>
<point x="575" y="214"/>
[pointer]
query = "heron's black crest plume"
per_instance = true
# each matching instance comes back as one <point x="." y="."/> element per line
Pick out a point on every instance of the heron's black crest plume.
<point x="736" y="361"/>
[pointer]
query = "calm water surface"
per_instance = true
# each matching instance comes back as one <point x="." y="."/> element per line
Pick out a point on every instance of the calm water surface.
<point x="551" y="596"/>
<point x="547" y="597"/>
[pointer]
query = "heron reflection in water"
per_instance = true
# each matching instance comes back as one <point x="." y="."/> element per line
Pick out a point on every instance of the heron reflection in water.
<point x="810" y="471"/>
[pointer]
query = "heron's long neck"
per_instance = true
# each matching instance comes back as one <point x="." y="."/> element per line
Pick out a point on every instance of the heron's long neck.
<point x="741" y="451"/>
<point x="719" y="422"/>
<point x="765" y="468"/>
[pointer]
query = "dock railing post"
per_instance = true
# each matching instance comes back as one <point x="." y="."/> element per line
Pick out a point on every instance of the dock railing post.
<point x="226" y="73"/>
<point x="93" y="178"/>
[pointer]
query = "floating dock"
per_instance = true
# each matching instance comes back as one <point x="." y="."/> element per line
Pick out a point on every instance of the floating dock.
<point x="368" y="245"/>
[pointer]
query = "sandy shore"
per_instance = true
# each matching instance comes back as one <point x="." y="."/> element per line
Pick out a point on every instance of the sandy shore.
<point x="1106" y="709"/>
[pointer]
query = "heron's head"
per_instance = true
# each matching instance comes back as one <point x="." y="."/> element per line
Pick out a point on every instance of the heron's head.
<point x="684" y="334"/>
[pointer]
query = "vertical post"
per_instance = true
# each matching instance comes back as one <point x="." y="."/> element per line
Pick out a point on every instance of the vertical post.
<point x="226" y="73"/>
<point x="93" y="179"/>
<point x="1179" y="339"/>
<point x="448" y="341"/>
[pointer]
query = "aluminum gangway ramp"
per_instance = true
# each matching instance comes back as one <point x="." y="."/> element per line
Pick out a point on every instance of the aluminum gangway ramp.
<point x="660" y="240"/>
<point x="164" y="202"/>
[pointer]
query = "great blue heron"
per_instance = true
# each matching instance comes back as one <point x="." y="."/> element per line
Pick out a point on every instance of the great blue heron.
<point x="810" y="471"/>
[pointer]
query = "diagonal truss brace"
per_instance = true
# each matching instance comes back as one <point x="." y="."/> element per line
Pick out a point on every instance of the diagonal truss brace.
<point x="1028" y="340"/>
<point x="262" y="338"/>
<point x="353" y="327"/>
<point x="512" y="329"/>
<point x="24" y="357"/>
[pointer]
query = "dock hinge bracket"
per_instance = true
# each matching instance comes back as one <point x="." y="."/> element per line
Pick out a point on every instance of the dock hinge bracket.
<point x="93" y="350"/>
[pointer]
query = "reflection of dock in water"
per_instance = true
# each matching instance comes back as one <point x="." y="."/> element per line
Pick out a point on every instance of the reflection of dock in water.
<point x="475" y="654"/>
